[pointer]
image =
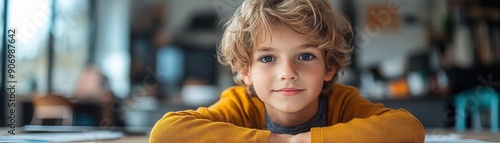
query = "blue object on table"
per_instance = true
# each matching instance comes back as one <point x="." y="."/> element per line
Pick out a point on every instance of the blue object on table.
<point x="473" y="101"/>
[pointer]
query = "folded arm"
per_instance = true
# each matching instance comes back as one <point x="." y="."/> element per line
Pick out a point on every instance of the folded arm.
<point x="225" y="121"/>
<point x="363" y="121"/>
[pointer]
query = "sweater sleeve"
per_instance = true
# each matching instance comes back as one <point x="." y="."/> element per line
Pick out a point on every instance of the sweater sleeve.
<point x="363" y="121"/>
<point x="225" y="121"/>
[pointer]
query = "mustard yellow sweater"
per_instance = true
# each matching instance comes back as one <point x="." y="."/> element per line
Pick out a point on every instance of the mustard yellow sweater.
<point x="237" y="117"/>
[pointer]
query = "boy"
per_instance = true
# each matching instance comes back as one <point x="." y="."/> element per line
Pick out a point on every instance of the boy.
<point x="287" y="54"/>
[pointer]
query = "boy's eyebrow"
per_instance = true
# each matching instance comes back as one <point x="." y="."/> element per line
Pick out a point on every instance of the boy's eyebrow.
<point x="305" y="46"/>
<point x="264" y="49"/>
<point x="308" y="45"/>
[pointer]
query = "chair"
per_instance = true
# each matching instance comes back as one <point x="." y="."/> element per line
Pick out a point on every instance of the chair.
<point x="474" y="100"/>
<point x="52" y="106"/>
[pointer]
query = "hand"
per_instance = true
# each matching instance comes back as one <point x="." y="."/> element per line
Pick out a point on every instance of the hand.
<point x="279" y="138"/>
<point x="301" y="138"/>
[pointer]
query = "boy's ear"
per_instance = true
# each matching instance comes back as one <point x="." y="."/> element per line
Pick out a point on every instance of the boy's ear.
<point x="329" y="75"/>
<point x="246" y="78"/>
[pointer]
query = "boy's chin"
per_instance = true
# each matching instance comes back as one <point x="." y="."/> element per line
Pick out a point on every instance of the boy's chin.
<point x="289" y="108"/>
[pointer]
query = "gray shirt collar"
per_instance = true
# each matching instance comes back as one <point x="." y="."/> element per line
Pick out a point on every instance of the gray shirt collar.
<point x="319" y="120"/>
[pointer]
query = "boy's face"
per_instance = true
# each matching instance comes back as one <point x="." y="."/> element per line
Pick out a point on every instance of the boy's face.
<point x="288" y="71"/>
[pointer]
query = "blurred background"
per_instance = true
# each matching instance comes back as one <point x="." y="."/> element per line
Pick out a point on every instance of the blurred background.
<point x="124" y="63"/>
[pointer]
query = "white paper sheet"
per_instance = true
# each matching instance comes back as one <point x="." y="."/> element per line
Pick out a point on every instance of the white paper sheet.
<point x="62" y="137"/>
<point x="450" y="138"/>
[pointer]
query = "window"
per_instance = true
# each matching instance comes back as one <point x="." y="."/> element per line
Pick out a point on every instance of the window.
<point x="71" y="43"/>
<point x="31" y="18"/>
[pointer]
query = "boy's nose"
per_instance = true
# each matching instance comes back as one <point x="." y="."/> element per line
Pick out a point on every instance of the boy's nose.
<point x="288" y="72"/>
<point x="288" y="78"/>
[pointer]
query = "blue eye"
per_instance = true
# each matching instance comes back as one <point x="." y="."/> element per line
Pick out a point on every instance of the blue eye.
<point x="306" y="57"/>
<point x="267" y="59"/>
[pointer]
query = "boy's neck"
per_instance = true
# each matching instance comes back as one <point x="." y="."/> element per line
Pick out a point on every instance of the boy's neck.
<point x="293" y="119"/>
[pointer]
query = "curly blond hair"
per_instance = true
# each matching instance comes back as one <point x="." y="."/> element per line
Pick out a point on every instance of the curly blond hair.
<point x="329" y="29"/>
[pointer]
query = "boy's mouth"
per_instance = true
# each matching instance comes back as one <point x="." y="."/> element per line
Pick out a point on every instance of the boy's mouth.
<point x="289" y="91"/>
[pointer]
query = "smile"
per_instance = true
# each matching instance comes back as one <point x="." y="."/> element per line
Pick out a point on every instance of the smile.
<point x="289" y="91"/>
